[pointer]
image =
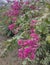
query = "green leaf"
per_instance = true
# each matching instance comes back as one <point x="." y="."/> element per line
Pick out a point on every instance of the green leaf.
<point x="48" y="38"/>
<point x="24" y="62"/>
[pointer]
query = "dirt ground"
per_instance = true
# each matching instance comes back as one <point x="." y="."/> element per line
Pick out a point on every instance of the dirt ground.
<point x="11" y="58"/>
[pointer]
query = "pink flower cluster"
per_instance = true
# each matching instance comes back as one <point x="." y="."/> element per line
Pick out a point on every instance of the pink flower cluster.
<point x="15" y="9"/>
<point x="33" y="23"/>
<point x="11" y="26"/>
<point x="29" y="47"/>
<point x="16" y="5"/>
<point x="35" y="36"/>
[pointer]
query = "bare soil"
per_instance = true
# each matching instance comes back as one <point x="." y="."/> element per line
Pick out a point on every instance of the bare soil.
<point x="11" y="58"/>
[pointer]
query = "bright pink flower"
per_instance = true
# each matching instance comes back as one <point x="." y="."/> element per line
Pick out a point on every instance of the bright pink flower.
<point x="20" y="50"/>
<point x="16" y="6"/>
<point x="32" y="56"/>
<point x="30" y="42"/>
<point x="36" y="46"/>
<point x="20" y="42"/>
<point x="33" y="22"/>
<point x="25" y="43"/>
<point x="32" y="31"/>
<point x="34" y="50"/>
<point x="35" y="36"/>
<point x="28" y="50"/>
<point x="11" y="26"/>
<point x="15" y="12"/>
<point x="20" y="53"/>
<point x="15" y="9"/>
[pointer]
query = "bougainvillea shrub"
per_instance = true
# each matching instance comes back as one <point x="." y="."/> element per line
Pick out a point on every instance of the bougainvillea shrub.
<point x="27" y="24"/>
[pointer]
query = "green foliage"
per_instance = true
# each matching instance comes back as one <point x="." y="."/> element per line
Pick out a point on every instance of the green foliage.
<point x="42" y="28"/>
<point x="48" y="38"/>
